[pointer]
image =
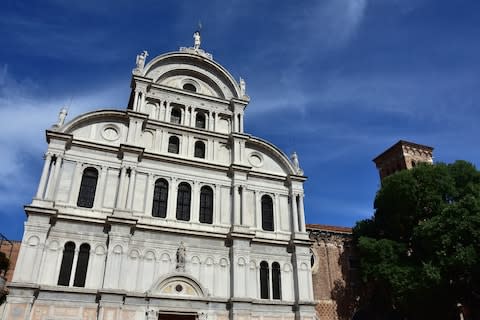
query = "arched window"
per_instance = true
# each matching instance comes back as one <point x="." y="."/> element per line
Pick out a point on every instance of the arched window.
<point x="173" y="144"/>
<point x="267" y="213"/>
<point x="67" y="263"/>
<point x="200" y="121"/>
<point x="264" y="280"/>
<point x="206" y="205"/>
<point x="82" y="266"/>
<point x="176" y="116"/>
<point x="189" y="87"/>
<point x="160" y="197"/>
<point x="276" y="281"/>
<point x="199" y="150"/>
<point x="183" y="201"/>
<point x="88" y="186"/>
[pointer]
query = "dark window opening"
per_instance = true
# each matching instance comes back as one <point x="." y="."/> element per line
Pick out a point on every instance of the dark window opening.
<point x="176" y="116"/>
<point x="174" y="145"/>
<point x="267" y="213"/>
<point x="82" y="266"/>
<point x="200" y="121"/>
<point x="206" y="205"/>
<point x="199" y="150"/>
<point x="264" y="280"/>
<point x="88" y="186"/>
<point x="189" y="87"/>
<point x="67" y="263"/>
<point x="183" y="202"/>
<point x="276" y="281"/>
<point x="160" y="198"/>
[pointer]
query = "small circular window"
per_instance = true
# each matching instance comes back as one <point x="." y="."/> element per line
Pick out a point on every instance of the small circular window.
<point x="189" y="87"/>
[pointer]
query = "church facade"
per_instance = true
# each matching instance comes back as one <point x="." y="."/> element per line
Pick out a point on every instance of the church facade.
<point x="165" y="210"/>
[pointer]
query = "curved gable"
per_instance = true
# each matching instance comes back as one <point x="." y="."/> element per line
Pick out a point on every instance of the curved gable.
<point x="265" y="157"/>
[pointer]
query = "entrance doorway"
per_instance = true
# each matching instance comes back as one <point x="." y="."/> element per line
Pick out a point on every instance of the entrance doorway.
<point x="175" y="316"/>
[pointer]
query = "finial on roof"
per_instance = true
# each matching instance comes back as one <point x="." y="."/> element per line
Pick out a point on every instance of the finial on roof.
<point x="61" y="118"/>
<point x="197" y="40"/>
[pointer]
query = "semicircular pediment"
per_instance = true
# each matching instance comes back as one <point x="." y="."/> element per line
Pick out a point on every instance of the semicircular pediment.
<point x="177" y="284"/>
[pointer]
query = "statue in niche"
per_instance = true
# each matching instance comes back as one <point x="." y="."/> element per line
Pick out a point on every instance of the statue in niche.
<point x="196" y="40"/>
<point x="181" y="258"/>
<point x="141" y="60"/>
<point x="243" y="87"/>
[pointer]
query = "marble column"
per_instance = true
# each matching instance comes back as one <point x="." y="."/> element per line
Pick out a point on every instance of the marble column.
<point x="44" y="176"/>
<point x="149" y="195"/>
<point x="52" y="183"/>
<point x="301" y="213"/>
<point x="121" y="188"/>
<point x="98" y="202"/>
<point x="294" y="212"/>
<point x="131" y="188"/>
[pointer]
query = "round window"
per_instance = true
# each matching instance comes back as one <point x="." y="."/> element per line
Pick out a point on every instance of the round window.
<point x="189" y="87"/>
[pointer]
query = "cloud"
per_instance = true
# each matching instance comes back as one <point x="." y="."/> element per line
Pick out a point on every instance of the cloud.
<point x="23" y="120"/>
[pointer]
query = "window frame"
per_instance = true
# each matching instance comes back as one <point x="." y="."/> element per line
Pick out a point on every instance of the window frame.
<point x="268" y="223"/>
<point x="160" y="198"/>
<point x="264" y="280"/>
<point x="173" y="142"/>
<point x="201" y="147"/>
<point x="67" y="264"/>
<point x="184" y="201"/>
<point x="88" y="188"/>
<point x="205" y="213"/>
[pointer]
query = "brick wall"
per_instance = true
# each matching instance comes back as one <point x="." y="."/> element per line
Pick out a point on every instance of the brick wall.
<point x="5" y="248"/>
<point x="332" y="275"/>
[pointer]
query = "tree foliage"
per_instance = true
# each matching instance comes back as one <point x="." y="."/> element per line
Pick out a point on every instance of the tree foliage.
<point x="421" y="249"/>
<point x="3" y="261"/>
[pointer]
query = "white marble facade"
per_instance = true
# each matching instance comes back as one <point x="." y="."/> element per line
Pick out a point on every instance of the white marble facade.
<point x="141" y="266"/>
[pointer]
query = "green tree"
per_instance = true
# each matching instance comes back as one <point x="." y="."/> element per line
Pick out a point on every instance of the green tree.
<point x="420" y="252"/>
<point x="3" y="261"/>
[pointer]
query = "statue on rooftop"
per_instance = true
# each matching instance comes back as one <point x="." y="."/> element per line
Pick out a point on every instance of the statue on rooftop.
<point x="296" y="163"/>
<point x="197" y="40"/>
<point x="61" y="117"/>
<point x="243" y="87"/>
<point x="141" y="60"/>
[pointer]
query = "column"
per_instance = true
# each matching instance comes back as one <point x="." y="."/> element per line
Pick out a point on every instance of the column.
<point x="210" y="121"/>
<point x="77" y="176"/>
<point x="216" y="205"/>
<point x="172" y="199"/>
<point x="121" y="188"/>
<point x="74" y="266"/>
<point x="98" y="201"/>
<point x="216" y="122"/>
<point x="240" y="122"/>
<point x="135" y="100"/>
<point x="131" y="187"/>
<point x="43" y="177"/>
<point x="258" y="211"/>
<point x="236" y="211"/>
<point x="186" y="119"/>
<point x="242" y="204"/>
<point x="192" y="116"/>
<point x="54" y="177"/>
<point x="149" y="197"/>
<point x="270" y="281"/>
<point x="195" y="208"/>
<point x="294" y="212"/>
<point x="276" y="212"/>
<point x="157" y="110"/>
<point x="142" y="102"/>
<point x="301" y="213"/>
<point x="167" y="111"/>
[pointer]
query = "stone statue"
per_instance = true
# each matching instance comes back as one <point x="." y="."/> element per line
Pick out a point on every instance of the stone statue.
<point x="296" y="163"/>
<point x="197" y="40"/>
<point x="141" y="60"/>
<point x="61" y="117"/>
<point x="151" y="314"/>
<point x="243" y="87"/>
<point x="181" y="258"/>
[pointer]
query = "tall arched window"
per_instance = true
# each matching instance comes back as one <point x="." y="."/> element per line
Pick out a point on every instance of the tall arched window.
<point x="276" y="281"/>
<point x="173" y="144"/>
<point x="176" y="116"/>
<point x="160" y="197"/>
<point x="264" y="280"/>
<point x="267" y="213"/>
<point x="88" y="186"/>
<point x="200" y="121"/>
<point x="82" y="266"/>
<point x="199" y="150"/>
<point x="206" y="205"/>
<point x="183" y="201"/>
<point x="67" y="263"/>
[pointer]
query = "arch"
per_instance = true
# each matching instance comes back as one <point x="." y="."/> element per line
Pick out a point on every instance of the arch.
<point x="67" y="263"/>
<point x="53" y="245"/>
<point x="176" y="115"/>
<point x="118" y="249"/>
<point x="174" y="144"/>
<point x="199" y="151"/>
<point x="165" y="257"/>
<point x="169" y="285"/>
<point x="183" y="201"/>
<point x="206" y="205"/>
<point x="82" y="266"/>
<point x="276" y="281"/>
<point x="189" y="87"/>
<point x="264" y="281"/>
<point x="33" y="241"/>
<point x="267" y="213"/>
<point x="200" y="120"/>
<point x="100" y="250"/>
<point x="160" y="199"/>
<point x="149" y="255"/>
<point x="88" y="186"/>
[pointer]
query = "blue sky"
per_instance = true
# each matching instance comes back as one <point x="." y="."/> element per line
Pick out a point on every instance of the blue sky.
<point x="338" y="81"/>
